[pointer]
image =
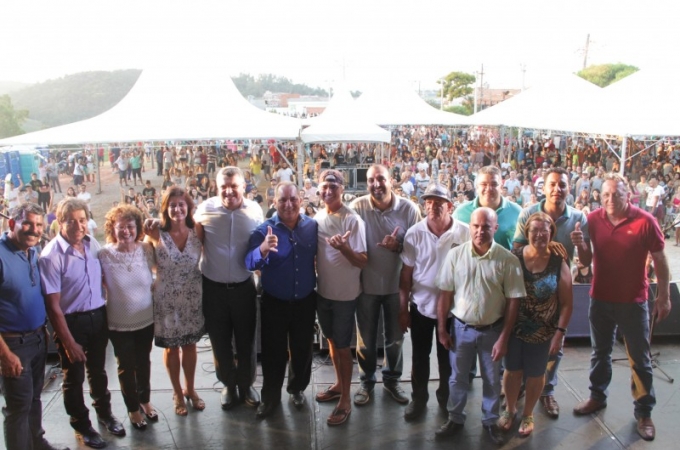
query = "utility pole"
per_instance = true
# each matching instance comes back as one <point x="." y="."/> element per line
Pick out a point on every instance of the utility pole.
<point x="585" y="51"/>
<point x="481" y="88"/>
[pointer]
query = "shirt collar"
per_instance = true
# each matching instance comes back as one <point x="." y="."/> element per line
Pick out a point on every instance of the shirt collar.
<point x="13" y="248"/>
<point x="565" y="214"/>
<point x="486" y="255"/>
<point x="504" y="203"/>
<point x="64" y="245"/>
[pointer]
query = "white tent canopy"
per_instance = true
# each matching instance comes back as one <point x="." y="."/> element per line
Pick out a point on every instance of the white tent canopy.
<point x="178" y="103"/>
<point x="640" y="104"/>
<point x="397" y="104"/>
<point x="341" y="122"/>
<point x="560" y="104"/>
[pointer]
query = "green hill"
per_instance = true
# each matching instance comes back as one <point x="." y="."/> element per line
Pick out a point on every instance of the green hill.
<point x="74" y="97"/>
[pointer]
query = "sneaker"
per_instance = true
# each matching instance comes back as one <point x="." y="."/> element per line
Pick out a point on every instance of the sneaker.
<point x="396" y="392"/>
<point x="362" y="396"/>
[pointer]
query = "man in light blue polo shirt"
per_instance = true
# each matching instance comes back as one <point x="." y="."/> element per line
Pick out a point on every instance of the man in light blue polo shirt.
<point x="488" y="185"/>
<point x="572" y="232"/>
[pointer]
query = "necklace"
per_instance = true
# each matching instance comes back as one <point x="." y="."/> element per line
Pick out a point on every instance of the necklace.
<point x="127" y="258"/>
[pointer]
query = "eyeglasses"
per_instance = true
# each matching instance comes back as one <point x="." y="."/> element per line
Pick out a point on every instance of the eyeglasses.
<point x="129" y="228"/>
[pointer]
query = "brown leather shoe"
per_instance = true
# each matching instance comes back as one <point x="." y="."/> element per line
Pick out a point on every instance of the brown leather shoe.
<point x="588" y="407"/>
<point x="552" y="408"/>
<point x="645" y="428"/>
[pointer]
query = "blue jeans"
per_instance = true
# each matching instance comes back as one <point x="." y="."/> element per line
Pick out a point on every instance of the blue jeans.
<point x="469" y="344"/>
<point x="633" y="321"/>
<point x="23" y="408"/>
<point x="368" y="314"/>
<point x="551" y="373"/>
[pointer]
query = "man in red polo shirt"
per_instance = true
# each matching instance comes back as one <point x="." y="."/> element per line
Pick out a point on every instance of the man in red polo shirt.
<point x="622" y="235"/>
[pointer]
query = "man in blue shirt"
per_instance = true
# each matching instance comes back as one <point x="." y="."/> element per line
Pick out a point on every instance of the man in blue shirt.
<point x="283" y="249"/>
<point x="23" y="337"/>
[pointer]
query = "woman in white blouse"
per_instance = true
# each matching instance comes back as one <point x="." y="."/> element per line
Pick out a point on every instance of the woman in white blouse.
<point x="127" y="267"/>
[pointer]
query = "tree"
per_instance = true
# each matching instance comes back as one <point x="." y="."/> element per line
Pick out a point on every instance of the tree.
<point x="10" y="118"/>
<point x="605" y="74"/>
<point x="457" y="84"/>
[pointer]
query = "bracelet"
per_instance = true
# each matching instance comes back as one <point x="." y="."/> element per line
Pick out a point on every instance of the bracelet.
<point x="563" y="330"/>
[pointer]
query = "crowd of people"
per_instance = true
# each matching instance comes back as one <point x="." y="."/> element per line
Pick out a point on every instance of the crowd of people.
<point x="472" y="249"/>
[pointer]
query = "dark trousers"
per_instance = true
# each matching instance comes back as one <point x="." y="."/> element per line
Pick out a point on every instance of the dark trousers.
<point x="422" y="330"/>
<point x="132" y="350"/>
<point x="287" y="329"/>
<point x="231" y="313"/>
<point x="90" y="330"/>
<point x="23" y="408"/>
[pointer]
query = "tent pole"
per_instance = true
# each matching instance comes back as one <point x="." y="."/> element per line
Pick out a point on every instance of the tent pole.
<point x="622" y="159"/>
<point x="300" y="165"/>
<point x="98" y="169"/>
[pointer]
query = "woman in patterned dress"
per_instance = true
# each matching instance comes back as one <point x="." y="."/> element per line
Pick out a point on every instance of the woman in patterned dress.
<point x="542" y="320"/>
<point x="177" y="311"/>
<point x="127" y="267"/>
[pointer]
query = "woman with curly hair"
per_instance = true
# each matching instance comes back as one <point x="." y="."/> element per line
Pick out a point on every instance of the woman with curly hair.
<point x="127" y="265"/>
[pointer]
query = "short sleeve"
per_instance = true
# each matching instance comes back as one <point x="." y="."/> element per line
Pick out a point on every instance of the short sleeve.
<point x="408" y="254"/>
<point x="445" y="275"/>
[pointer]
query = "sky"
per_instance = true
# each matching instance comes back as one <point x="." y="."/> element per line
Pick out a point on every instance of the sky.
<point x="354" y="42"/>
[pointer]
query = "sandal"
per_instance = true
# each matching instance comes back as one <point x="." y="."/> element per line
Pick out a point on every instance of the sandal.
<point x="196" y="402"/>
<point x="180" y="406"/>
<point x="506" y="420"/>
<point x="141" y="425"/>
<point x="327" y="395"/>
<point x="152" y="415"/>
<point x="527" y="426"/>
<point x="338" y="416"/>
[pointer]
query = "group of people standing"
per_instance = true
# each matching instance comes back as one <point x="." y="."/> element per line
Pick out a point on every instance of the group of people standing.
<point x="489" y="279"/>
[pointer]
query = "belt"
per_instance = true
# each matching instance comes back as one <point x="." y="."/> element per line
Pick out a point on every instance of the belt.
<point x="231" y="285"/>
<point x="481" y="327"/>
<point x="91" y="312"/>
<point x="14" y="334"/>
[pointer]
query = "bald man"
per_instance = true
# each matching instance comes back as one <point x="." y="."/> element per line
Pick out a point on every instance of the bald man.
<point x="480" y="285"/>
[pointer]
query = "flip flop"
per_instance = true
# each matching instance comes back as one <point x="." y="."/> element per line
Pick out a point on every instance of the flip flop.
<point x="327" y="395"/>
<point x="338" y="416"/>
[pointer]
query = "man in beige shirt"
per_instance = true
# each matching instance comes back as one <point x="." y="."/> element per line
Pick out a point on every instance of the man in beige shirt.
<point x="480" y="284"/>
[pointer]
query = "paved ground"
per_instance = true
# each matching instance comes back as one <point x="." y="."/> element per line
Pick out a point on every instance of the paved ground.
<point x="380" y="423"/>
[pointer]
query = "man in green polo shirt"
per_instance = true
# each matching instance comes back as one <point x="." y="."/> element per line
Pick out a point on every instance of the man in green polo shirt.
<point x="488" y="185"/>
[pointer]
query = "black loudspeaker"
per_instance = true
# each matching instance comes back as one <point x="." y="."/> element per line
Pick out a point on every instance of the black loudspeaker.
<point x="362" y="180"/>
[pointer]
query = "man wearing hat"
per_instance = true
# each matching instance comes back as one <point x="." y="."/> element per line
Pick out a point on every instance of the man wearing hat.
<point x="341" y="256"/>
<point x="425" y="245"/>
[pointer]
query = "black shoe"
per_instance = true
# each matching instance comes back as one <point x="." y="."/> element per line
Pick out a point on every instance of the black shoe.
<point x="112" y="424"/>
<point x="91" y="438"/>
<point x="298" y="399"/>
<point x="249" y="396"/>
<point x="415" y="409"/>
<point x="495" y="434"/>
<point x="228" y="398"/>
<point x="266" y="409"/>
<point x="448" y="429"/>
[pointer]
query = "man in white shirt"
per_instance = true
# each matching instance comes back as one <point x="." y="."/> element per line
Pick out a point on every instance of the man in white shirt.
<point x="224" y="224"/>
<point x="84" y="196"/>
<point x="512" y="182"/>
<point x="285" y="173"/>
<point x="425" y="246"/>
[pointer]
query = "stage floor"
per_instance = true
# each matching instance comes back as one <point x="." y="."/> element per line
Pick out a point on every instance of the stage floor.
<point x="380" y="423"/>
